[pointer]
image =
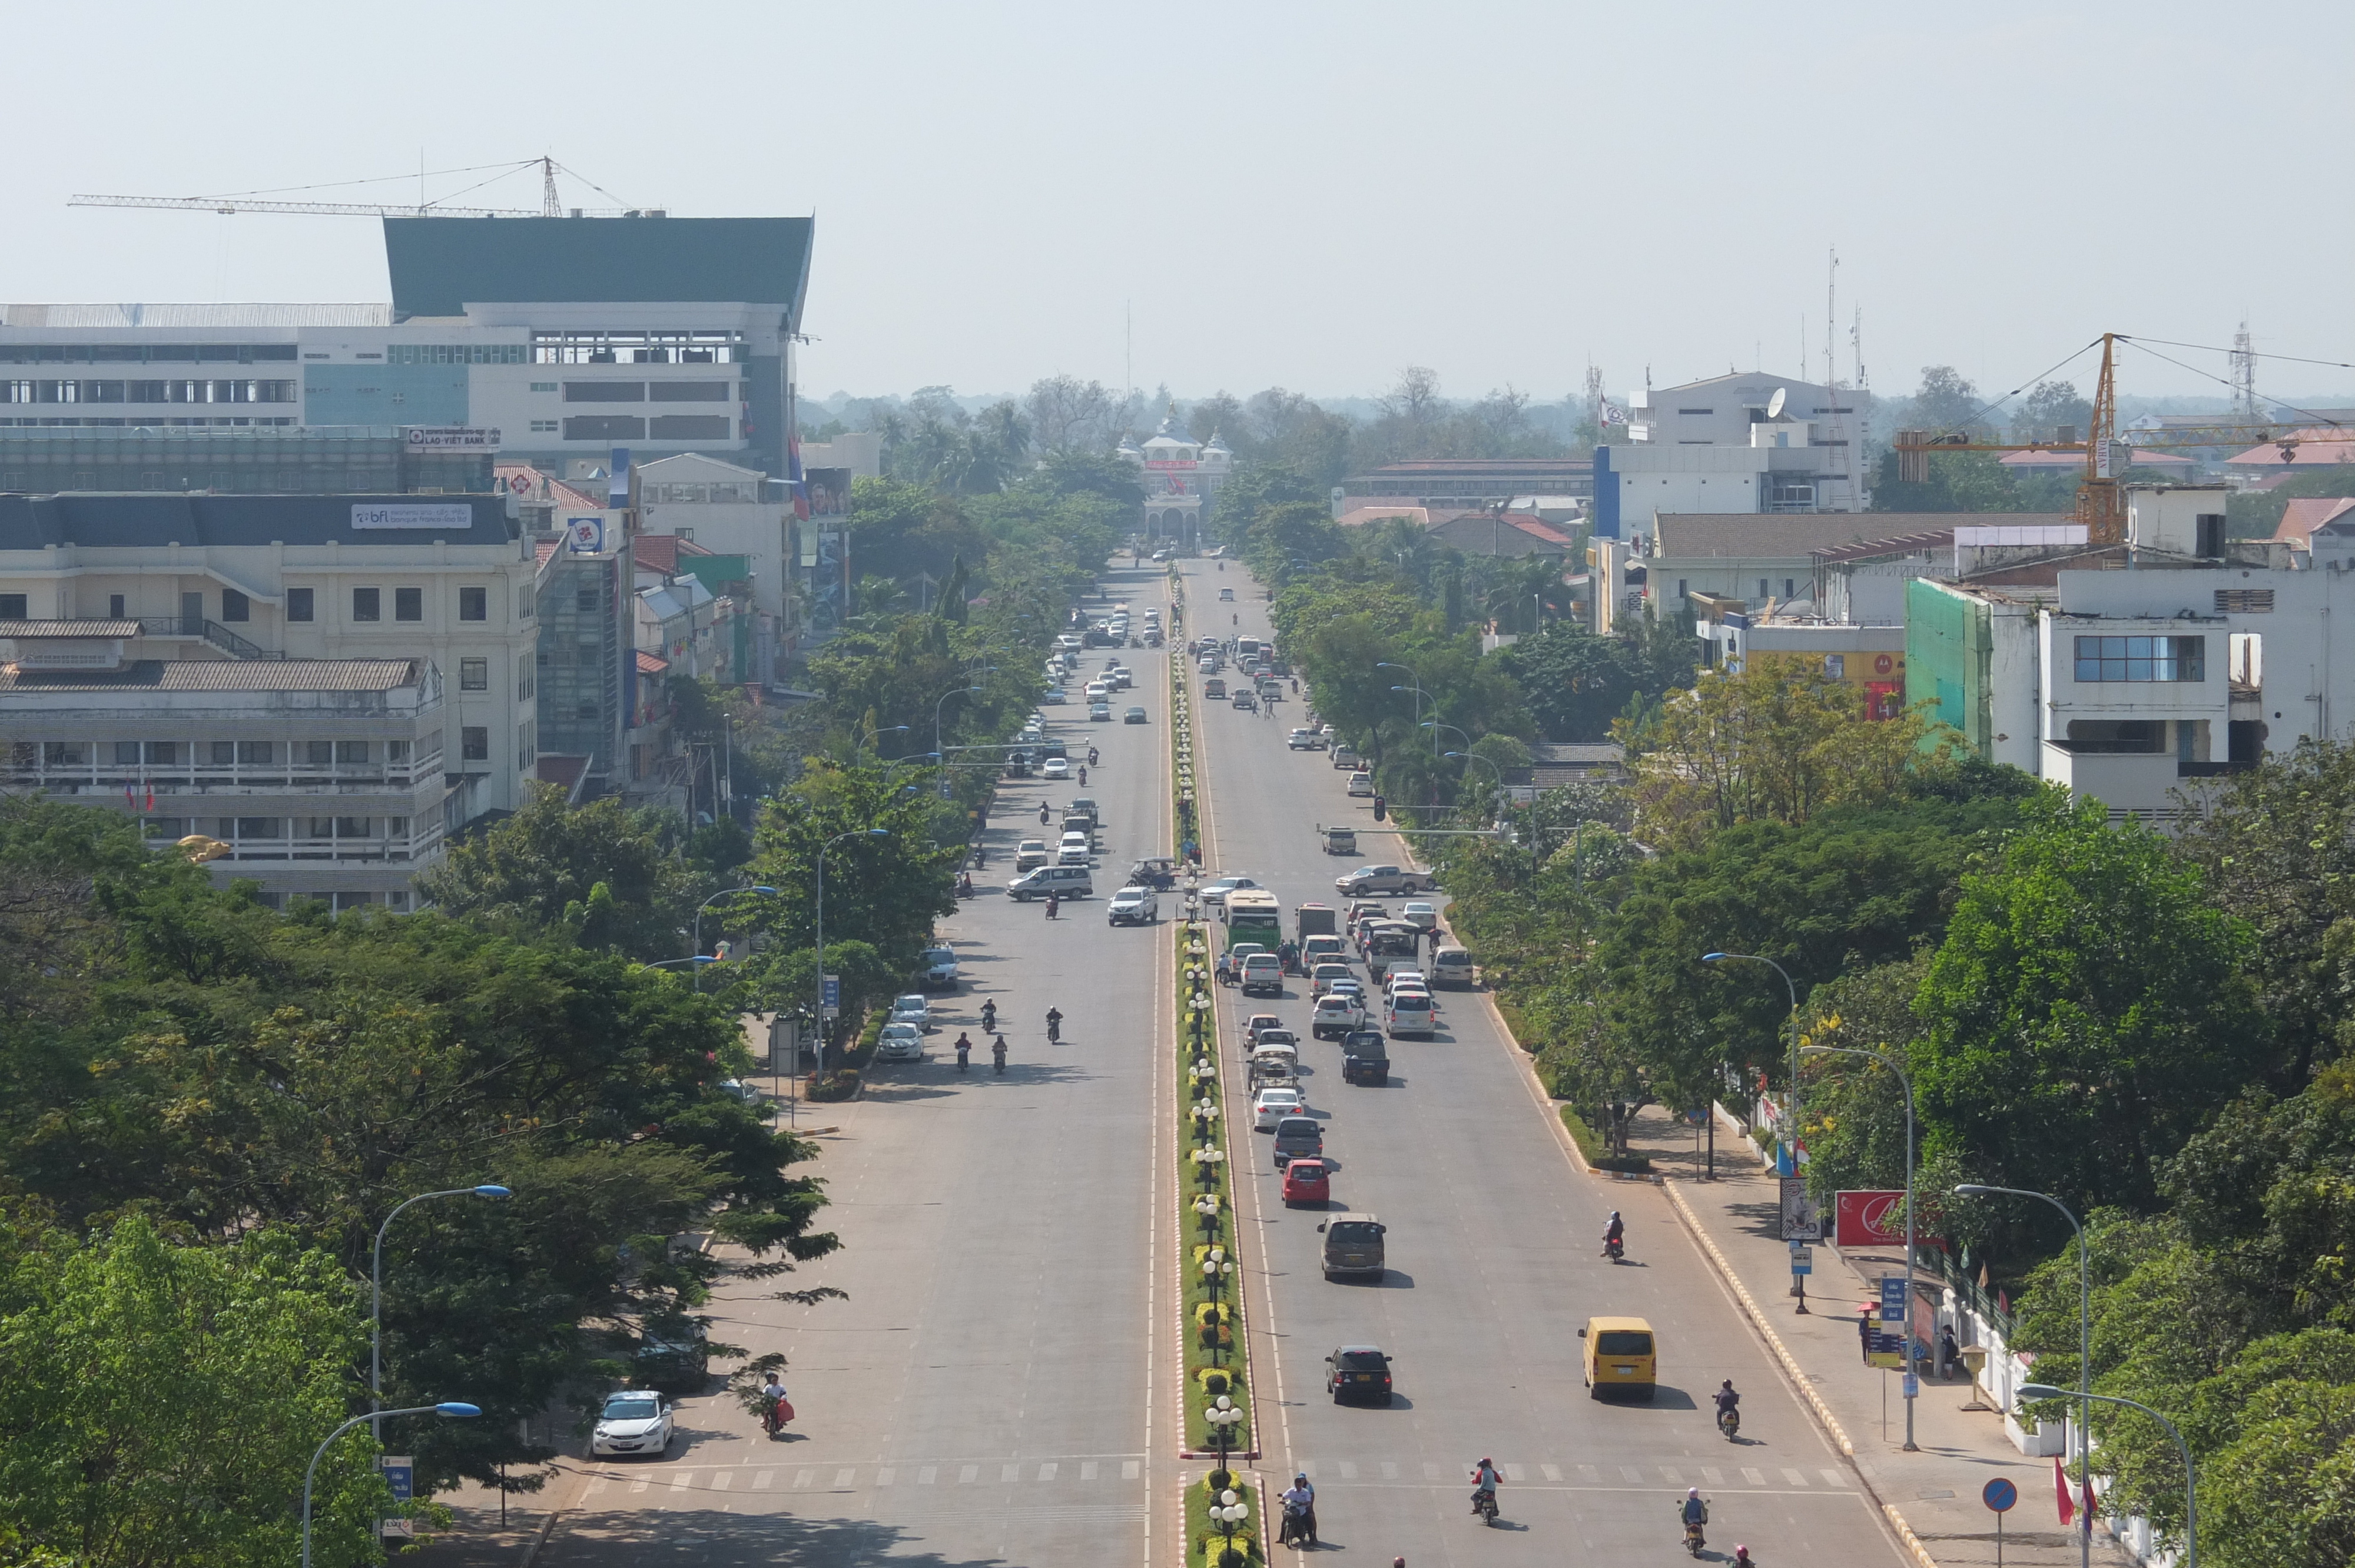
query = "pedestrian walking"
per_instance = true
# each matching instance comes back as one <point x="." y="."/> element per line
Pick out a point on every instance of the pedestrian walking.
<point x="1864" y="1333"/>
<point x="1950" y="1354"/>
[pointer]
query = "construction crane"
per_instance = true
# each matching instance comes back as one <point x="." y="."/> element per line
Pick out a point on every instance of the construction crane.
<point x="2101" y="500"/>
<point x="549" y="206"/>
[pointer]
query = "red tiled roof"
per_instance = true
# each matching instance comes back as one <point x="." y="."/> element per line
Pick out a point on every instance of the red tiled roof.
<point x="538" y="485"/>
<point x="651" y="664"/>
<point x="660" y="551"/>
<point x="1538" y="528"/>
<point x="2302" y="516"/>
<point x="2322" y="446"/>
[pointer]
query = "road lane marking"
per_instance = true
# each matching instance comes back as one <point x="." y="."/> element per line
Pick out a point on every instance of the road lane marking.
<point x="1129" y="1469"/>
<point x="1045" y="1472"/>
<point x="762" y="1482"/>
<point x="1833" y="1478"/>
<point x="968" y="1475"/>
<point x="1712" y="1476"/>
<point x="1589" y="1473"/>
<point x="1088" y="1470"/>
<point x="884" y="1476"/>
<point x="1552" y="1472"/>
<point x="803" y="1478"/>
<point x="843" y="1477"/>
<point x="1430" y="1472"/>
<point x="599" y="1485"/>
<point x="1514" y="1473"/>
<point x="1755" y="1478"/>
<point x="1348" y="1471"/>
<point x="925" y="1477"/>
<point x="637" y="1486"/>
<point x="679" y="1482"/>
<point x="720" y="1483"/>
<point x="1674" y="1479"/>
<point x="1006" y="1473"/>
<point x="1629" y="1472"/>
<point x="1390" y="1472"/>
<point x="1796" y="1478"/>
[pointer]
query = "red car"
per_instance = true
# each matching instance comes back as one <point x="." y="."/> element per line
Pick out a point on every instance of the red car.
<point x="1308" y="1182"/>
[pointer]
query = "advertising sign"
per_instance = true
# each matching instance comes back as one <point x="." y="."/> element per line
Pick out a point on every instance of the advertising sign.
<point x="1868" y="1219"/>
<point x="584" y="535"/>
<point x="458" y="518"/>
<point x="617" y="478"/>
<point x="1799" y="1219"/>
<point x="452" y="437"/>
<point x="829" y="491"/>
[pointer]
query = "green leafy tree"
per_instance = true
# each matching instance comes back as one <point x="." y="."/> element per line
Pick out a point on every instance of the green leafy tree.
<point x="542" y="870"/>
<point x="2049" y="406"/>
<point x="885" y="890"/>
<point x="2085" y="1014"/>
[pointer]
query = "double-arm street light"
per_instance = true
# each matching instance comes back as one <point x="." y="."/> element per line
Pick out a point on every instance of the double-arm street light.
<point x="1417" y="689"/>
<point x="820" y="1010"/>
<point x="1913" y="1375"/>
<point x="2190" y="1473"/>
<point x="718" y="897"/>
<point x="958" y="692"/>
<point x="375" y="1291"/>
<point x="2084" y="1328"/>
<point x="448" y="1407"/>
<point x="1791" y="1106"/>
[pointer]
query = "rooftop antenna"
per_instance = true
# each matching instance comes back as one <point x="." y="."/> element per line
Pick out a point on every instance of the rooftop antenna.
<point x="2243" y="361"/>
<point x="1774" y="404"/>
<point x="1831" y="321"/>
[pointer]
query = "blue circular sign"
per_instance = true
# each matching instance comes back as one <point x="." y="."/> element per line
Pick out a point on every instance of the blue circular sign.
<point x="1999" y="1495"/>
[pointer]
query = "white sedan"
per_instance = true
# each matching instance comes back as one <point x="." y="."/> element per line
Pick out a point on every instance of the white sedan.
<point x="1215" y="892"/>
<point x="1272" y="1106"/>
<point x="1055" y="767"/>
<point x="913" y="1008"/>
<point x="635" y="1421"/>
<point x="1422" y="917"/>
<point x="901" y="1043"/>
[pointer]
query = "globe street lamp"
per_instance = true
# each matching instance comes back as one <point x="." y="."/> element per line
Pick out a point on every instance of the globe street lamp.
<point x="376" y="1285"/>
<point x="2084" y="1328"/>
<point x="1913" y="1375"/>
<point x="852" y="834"/>
<point x="1226" y="1513"/>
<point x="451" y="1408"/>
<point x="2029" y="1390"/>
<point x="1206" y="1164"/>
<point x="1223" y="1416"/>
<point x="1207" y="1206"/>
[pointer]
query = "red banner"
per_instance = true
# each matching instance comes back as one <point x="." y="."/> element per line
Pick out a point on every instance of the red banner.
<point x="1868" y="1219"/>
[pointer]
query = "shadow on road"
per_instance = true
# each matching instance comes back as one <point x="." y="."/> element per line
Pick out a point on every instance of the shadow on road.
<point x="704" y="1538"/>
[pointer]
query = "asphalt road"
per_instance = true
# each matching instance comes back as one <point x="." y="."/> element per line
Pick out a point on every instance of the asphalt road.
<point x="1492" y="1246"/>
<point x="985" y="1395"/>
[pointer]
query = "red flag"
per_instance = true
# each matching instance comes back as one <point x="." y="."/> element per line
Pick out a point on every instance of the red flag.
<point x="129" y="798"/>
<point x="2061" y="1491"/>
<point x="150" y="797"/>
<point x="2089" y="1500"/>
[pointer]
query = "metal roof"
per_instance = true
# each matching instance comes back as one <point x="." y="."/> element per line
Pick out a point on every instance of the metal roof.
<point x="206" y="317"/>
<point x="441" y="265"/>
<point x="225" y="675"/>
<point x="1748" y="535"/>
<point x="27" y="629"/>
<point x="146" y="520"/>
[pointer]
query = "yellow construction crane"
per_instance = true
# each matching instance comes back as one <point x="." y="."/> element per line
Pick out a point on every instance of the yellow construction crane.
<point x="2101" y="501"/>
<point x="548" y="207"/>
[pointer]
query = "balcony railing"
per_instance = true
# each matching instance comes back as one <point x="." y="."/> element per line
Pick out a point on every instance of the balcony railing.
<point x="212" y="631"/>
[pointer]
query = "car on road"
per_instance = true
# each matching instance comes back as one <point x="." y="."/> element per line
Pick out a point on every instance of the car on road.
<point x="1318" y="946"/>
<point x="1214" y="690"/>
<point x="737" y="1089"/>
<point x="1244" y="702"/>
<point x="1120" y="680"/>
<point x="1365" y="1058"/>
<point x="1100" y="713"/>
<point x="676" y="1353"/>
<point x="1272" y="1106"/>
<point x="1133" y="907"/>
<point x="1400" y="980"/>
<point x="1361" y="784"/>
<point x="1411" y="1012"/>
<point x="1134" y="715"/>
<point x="899" y="1043"/>
<point x="1343" y="756"/>
<point x="1053" y="696"/>
<point x="1029" y="854"/>
<point x="1420" y="915"/>
<point x="1353" y="1245"/>
<point x="1226" y="596"/>
<point x="1215" y="892"/>
<point x="1452" y="968"/>
<point x="1622" y="1357"/>
<point x="1206" y="665"/>
<point x="1299" y="1137"/>
<point x="1258" y="1021"/>
<point x="1308" y="1182"/>
<point x="913" y="1008"/>
<point x="1357" y="1373"/>
<point x="1327" y="970"/>
<point x="937" y="969"/>
<point x="1098" y="690"/>
<point x="1055" y="767"/>
<point x="1336" y="1016"/>
<point x="1073" y="850"/>
<point x="1276" y="1039"/>
<point x="1304" y="740"/>
<point x="634" y="1421"/>
<point x="1262" y="974"/>
<point x="1384" y="879"/>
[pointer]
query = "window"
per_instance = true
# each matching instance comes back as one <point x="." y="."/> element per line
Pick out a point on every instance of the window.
<point x="604" y="391"/>
<point x="165" y="826"/>
<point x="114" y="606"/>
<point x="12" y="607"/>
<point x="396" y="751"/>
<point x="367" y="604"/>
<point x="298" y="604"/>
<point x="688" y="427"/>
<point x="523" y="604"/>
<point x="319" y="753"/>
<point x="351" y="751"/>
<point x="474" y="743"/>
<point x="257" y="753"/>
<point x="546" y="427"/>
<point x="693" y="392"/>
<point x="224" y="753"/>
<point x="523" y="746"/>
<point x="353" y="827"/>
<point x="260" y="827"/>
<point x="605" y="428"/>
<point x="2142" y="658"/>
<point x="235" y="606"/>
<point x="543" y="385"/>
<point x="62" y="753"/>
<point x="164" y="752"/>
<point x="408" y="604"/>
<point x="585" y="601"/>
<point x="2244" y="601"/>
<point x="126" y="754"/>
<point x="1789" y="589"/>
<point x="473" y="674"/>
<point x="2118" y="738"/>
<point x="1761" y="587"/>
<point x="474" y="604"/>
<point x="1695" y="410"/>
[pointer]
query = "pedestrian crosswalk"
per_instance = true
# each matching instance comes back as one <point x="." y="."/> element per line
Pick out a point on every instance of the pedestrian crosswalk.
<point x="1615" y="1477"/>
<point x="690" y="1481"/>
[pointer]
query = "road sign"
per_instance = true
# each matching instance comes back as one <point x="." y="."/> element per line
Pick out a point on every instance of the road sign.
<point x="1999" y="1495"/>
<point x="1802" y="1261"/>
<point x="1912" y="1388"/>
<point x="1887" y="1351"/>
<point x="830" y="996"/>
<point x="1892" y="1298"/>
<point x="400" y="1475"/>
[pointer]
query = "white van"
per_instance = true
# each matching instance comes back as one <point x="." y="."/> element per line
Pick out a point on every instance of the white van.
<point x="1452" y="968"/>
<point x="1065" y="880"/>
<point x="1412" y="1012"/>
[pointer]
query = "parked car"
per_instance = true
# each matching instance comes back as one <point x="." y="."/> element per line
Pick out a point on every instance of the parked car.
<point x="1343" y="756"/>
<point x="1305" y="740"/>
<point x="1272" y="1106"/>
<point x="1452" y="968"/>
<point x="937" y="969"/>
<point x="634" y="1421"/>
<point x="1361" y="784"/>
<point x="899" y="1043"/>
<point x="1384" y="879"/>
<point x="1053" y="696"/>
<point x="1030" y="854"/>
<point x="737" y="1089"/>
<point x="1134" y="715"/>
<point x="1357" y="1373"/>
<point x="913" y="1008"/>
<point x="1308" y="1182"/>
<point x="1133" y="907"/>
<point x="674" y="1354"/>
<point x="1336" y="1016"/>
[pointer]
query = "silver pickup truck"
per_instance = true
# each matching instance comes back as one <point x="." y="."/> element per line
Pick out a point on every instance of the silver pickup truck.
<point x="1371" y="879"/>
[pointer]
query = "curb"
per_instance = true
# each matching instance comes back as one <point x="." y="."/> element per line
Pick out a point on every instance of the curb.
<point x="1758" y="1320"/>
<point x="1905" y="1533"/>
<point x="546" y="1527"/>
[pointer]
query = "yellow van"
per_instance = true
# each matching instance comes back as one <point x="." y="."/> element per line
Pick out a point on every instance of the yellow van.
<point x="1622" y="1354"/>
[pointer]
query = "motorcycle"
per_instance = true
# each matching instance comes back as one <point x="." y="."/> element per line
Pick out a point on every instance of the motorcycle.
<point x="1054" y="1031"/>
<point x="1042" y="814"/>
<point x="1614" y="1248"/>
<point x="998" y="1055"/>
<point x="1694" y="1540"/>
<point x="1054" y="906"/>
<point x="1729" y="1421"/>
<point x="963" y="1051"/>
<point x="1092" y="759"/>
<point x="1299" y="1525"/>
<point x="964" y="885"/>
<point x="989" y="1017"/>
<point x="1484" y="1503"/>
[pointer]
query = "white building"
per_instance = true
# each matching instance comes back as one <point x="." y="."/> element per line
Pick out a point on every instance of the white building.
<point x="1735" y="443"/>
<point x="1179" y="475"/>
<point x="733" y="511"/>
<point x="255" y="580"/>
<point x="2133" y="672"/>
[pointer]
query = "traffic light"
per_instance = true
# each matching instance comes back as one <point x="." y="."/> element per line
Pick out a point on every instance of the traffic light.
<point x="1382" y="809"/>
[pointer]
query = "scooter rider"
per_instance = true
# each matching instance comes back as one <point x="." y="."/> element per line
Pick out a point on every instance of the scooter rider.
<point x="1302" y="1497"/>
<point x="1728" y="1403"/>
<point x="963" y="1048"/>
<point x="1485" y="1482"/>
<point x="1615" y="1233"/>
<point x="1092" y="759"/>
<point x="772" y="1399"/>
<point x="997" y="1051"/>
<point x="1054" y="906"/>
<point x="1054" y="1025"/>
<point x="1042" y="814"/>
<point x="1695" y="1512"/>
<point x="989" y="1016"/>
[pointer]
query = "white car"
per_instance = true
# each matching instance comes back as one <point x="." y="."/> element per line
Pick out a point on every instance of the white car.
<point x="1397" y="981"/>
<point x="1337" y="1014"/>
<point x="1305" y="740"/>
<point x="1074" y="839"/>
<point x="635" y="1421"/>
<point x="1121" y="679"/>
<point x="1361" y="783"/>
<point x="1422" y="917"/>
<point x="1412" y="1012"/>
<point x="1272" y="1106"/>
<point x="901" y="1043"/>
<point x="913" y="1008"/>
<point x="1133" y="907"/>
<point x="1206" y="665"/>
<point x="737" y="1091"/>
<point x="1215" y="892"/>
<point x="1100" y="713"/>
<point x="1055" y="767"/>
<point x="1099" y="692"/>
<point x="1053" y="696"/>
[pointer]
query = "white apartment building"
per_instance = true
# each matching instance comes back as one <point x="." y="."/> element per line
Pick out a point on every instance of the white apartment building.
<point x="327" y="778"/>
<point x="265" y="580"/>
<point x="731" y="511"/>
<point x="1736" y="444"/>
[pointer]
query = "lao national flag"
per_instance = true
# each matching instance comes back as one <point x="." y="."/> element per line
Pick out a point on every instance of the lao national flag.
<point x="130" y="799"/>
<point x="795" y="475"/>
<point x="150" y="797"/>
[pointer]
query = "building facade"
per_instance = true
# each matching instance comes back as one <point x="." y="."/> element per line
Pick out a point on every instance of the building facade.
<point x="1734" y="443"/>
<point x="1181" y="478"/>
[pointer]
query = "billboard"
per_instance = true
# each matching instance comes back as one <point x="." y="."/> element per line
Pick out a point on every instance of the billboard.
<point x="458" y="518"/>
<point x="1869" y="1218"/>
<point x="452" y="437"/>
<point x="829" y="491"/>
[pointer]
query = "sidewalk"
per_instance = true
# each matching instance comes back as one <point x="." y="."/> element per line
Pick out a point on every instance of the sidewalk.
<point x="1933" y="1494"/>
<point x="476" y="1539"/>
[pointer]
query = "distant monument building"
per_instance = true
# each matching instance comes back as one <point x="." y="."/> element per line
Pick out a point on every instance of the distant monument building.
<point x="1180" y="476"/>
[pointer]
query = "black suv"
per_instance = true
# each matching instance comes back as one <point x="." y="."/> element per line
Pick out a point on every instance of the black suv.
<point x="1365" y="1058"/>
<point x="1357" y="1372"/>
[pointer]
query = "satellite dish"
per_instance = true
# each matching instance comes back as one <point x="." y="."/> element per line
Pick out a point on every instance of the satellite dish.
<point x="1774" y="404"/>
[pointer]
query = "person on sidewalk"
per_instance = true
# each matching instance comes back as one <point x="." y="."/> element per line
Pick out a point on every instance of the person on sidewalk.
<point x="1950" y="1354"/>
<point x="1864" y="1333"/>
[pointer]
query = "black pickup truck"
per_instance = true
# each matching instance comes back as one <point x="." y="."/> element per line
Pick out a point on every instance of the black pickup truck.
<point x="1365" y="1058"/>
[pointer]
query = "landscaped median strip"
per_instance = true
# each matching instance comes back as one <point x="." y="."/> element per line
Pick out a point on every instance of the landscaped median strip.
<point x="1222" y="1511"/>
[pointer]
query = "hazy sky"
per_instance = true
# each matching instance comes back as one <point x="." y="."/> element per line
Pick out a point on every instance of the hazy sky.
<point x="1303" y="195"/>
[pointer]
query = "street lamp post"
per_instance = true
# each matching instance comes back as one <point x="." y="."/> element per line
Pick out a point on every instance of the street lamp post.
<point x="1222" y="1416"/>
<point x="2190" y="1473"/>
<point x="449" y="1407"/>
<point x="1417" y="689"/>
<point x="375" y="1289"/>
<point x="2084" y="1329"/>
<point x="1226" y="1513"/>
<point x="958" y="692"/>
<point x="1790" y="1111"/>
<point x="724" y="893"/>
<point x="852" y="834"/>
<point x="888" y="729"/>
<point x="1913" y="1375"/>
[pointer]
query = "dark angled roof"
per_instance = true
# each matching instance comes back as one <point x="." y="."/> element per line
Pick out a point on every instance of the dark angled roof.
<point x="1754" y="535"/>
<point x="143" y="521"/>
<point x="439" y="265"/>
<point x="30" y="629"/>
<point x="225" y="675"/>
